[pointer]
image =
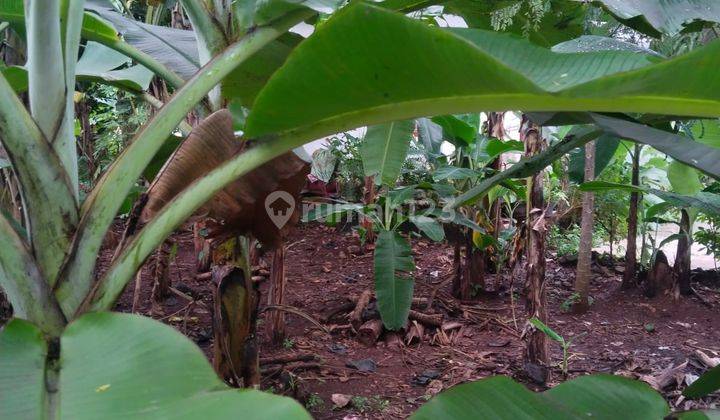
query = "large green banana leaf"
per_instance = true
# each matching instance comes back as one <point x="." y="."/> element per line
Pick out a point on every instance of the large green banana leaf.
<point x="175" y="48"/>
<point x="97" y="64"/>
<point x="393" y="284"/>
<point x="658" y="17"/>
<point x="398" y="68"/>
<point x="120" y="366"/>
<point x="384" y="150"/>
<point x="593" y="396"/>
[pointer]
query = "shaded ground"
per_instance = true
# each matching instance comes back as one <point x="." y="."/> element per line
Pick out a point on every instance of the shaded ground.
<point x="624" y="333"/>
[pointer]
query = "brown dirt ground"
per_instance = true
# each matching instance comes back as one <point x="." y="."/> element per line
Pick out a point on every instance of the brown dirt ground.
<point x="322" y="273"/>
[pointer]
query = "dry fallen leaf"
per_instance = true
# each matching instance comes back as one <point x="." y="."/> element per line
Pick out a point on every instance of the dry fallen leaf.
<point x="434" y="387"/>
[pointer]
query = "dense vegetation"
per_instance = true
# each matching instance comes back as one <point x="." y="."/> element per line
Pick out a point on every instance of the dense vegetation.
<point x="153" y="114"/>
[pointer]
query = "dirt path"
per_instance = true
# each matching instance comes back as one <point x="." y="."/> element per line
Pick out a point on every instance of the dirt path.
<point x="623" y="333"/>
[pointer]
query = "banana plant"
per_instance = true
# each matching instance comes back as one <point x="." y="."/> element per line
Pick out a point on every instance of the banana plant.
<point x="476" y="156"/>
<point x="55" y="355"/>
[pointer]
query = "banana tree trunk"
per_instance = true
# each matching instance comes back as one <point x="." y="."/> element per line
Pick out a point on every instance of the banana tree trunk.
<point x="235" y="351"/>
<point x="469" y="269"/>
<point x="682" y="258"/>
<point x="536" y="353"/>
<point x="496" y="129"/>
<point x="583" y="272"/>
<point x="629" y="276"/>
<point x="276" y="296"/>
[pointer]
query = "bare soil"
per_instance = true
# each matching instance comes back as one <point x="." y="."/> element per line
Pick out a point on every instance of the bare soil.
<point x="624" y="332"/>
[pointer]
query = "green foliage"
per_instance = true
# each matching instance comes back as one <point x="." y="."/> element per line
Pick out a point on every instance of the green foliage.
<point x="118" y="366"/>
<point x="564" y="241"/>
<point x="393" y="282"/>
<point x="153" y="371"/>
<point x="384" y="150"/>
<point x="709" y="236"/>
<point x="372" y="404"/>
<point x="564" y="344"/>
<point x="596" y="396"/>
<point x="349" y="171"/>
<point x="314" y="402"/>
<point x="705" y="384"/>
<point x="115" y="117"/>
<point x="288" y="343"/>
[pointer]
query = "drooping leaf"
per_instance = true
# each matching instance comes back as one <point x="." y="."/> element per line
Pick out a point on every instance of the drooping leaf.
<point x="175" y="48"/>
<point x="499" y="397"/>
<point x="430" y="134"/>
<point x="495" y="147"/>
<point x="456" y="76"/>
<point x="546" y="330"/>
<point x="393" y="282"/>
<point x="456" y="130"/>
<point x="707" y="382"/>
<point x="656" y="18"/>
<point x="99" y="63"/>
<point x="116" y="366"/>
<point x="429" y="227"/>
<point x="384" y="150"/>
<point x="605" y="147"/>
<point x="683" y="149"/>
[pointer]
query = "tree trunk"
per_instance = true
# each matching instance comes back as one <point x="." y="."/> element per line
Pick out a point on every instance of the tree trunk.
<point x="682" y="259"/>
<point x="629" y="276"/>
<point x="276" y="296"/>
<point x="234" y="322"/>
<point x="161" y="275"/>
<point x="496" y="129"/>
<point x="469" y="270"/>
<point x="368" y="199"/>
<point x="583" y="272"/>
<point x="536" y="355"/>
